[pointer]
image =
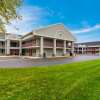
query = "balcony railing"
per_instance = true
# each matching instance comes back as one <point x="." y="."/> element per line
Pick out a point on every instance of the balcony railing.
<point x="14" y="45"/>
<point x="28" y="44"/>
<point x="48" y="44"/>
<point x="60" y="45"/>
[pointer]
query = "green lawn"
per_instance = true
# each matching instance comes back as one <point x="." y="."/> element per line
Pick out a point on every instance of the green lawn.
<point x="76" y="81"/>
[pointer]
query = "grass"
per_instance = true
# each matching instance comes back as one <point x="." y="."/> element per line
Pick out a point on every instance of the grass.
<point x="76" y="81"/>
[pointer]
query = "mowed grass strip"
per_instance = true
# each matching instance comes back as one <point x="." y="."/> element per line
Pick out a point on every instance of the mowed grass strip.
<point x="76" y="81"/>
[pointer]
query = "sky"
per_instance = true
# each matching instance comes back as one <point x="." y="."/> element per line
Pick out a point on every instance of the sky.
<point x="81" y="17"/>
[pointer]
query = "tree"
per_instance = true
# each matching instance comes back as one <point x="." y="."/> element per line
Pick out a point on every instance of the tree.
<point x="8" y="12"/>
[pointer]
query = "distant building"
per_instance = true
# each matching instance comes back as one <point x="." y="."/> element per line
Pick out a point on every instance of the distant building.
<point x="54" y="40"/>
<point x="87" y="48"/>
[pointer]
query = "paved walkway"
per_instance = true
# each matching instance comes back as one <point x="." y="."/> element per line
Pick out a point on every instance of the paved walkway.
<point x="18" y="62"/>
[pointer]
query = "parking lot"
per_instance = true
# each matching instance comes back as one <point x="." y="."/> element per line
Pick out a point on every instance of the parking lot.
<point x="20" y="62"/>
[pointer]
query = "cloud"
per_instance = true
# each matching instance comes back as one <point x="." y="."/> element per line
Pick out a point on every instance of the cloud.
<point x="88" y="33"/>
<point x="32" y="17"/>
<point x="85" y="30"/>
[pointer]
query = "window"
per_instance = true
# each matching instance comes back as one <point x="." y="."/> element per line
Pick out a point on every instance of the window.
<point x="60" y="33"/>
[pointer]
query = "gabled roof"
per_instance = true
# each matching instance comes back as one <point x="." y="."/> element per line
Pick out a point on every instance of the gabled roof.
<point x="55" y="31"/>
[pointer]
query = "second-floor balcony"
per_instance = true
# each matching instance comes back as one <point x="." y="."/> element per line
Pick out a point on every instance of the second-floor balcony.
<point x="48" y="43"/>
<point x="59" y="44"/>
<point x="14" y="44"/>
<point x="29" y="43"/>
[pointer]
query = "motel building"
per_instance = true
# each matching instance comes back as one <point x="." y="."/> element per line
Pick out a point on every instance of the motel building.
<point x="88" y="48"/>
<point x="53" y="40"/>
<point x="10" y="44"/>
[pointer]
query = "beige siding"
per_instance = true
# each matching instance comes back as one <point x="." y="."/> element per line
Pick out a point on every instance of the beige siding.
<point x="55" y="31"/>
<point x="49" y="52"/>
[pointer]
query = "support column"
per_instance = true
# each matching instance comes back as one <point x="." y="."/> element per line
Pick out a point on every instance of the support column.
<point x="82" y="50"/>
<point x="64" y="47"/>
<point x="20" y="47"/>
<point x="8" y="47"/>
<point x="37" y="53"/>
<point x="77" y="50"/>
<point x="5" y="47"/>
<point x="72" y="48"/>
<point x="54" y="48"/>
<point x="41" y="47"/>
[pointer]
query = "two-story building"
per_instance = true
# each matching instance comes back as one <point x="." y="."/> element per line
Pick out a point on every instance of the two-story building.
<point x="87" y="48"/>
<point x="10" y="44"/>
<point x="53" y="40"/>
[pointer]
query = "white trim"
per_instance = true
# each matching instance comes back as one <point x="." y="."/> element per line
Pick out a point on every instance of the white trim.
<point x="64" y="47"/>
<point x="2" y="40"/>
<point x="31" y="47"/>
<point x="41" y="46"/>
<point x="54" y="48"/>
